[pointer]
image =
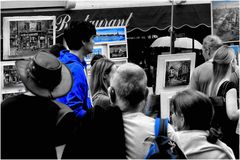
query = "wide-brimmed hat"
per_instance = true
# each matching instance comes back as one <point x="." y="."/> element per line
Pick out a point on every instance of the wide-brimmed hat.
<point x="44" y="75"/>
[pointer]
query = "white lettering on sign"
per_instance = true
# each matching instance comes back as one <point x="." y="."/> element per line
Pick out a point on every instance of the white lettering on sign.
<point x="109" y="23"/>
<point x="63" y="20"/>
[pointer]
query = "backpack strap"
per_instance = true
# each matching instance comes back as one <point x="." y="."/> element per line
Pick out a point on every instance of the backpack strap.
<point x="161" y="126"/>
<point x="223" y="89"/>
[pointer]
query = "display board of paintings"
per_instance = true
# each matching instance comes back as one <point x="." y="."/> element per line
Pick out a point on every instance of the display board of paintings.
<point x="112" y="43"/>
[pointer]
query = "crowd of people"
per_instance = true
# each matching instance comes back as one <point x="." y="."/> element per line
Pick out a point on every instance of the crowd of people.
<point x="66" y="114"/>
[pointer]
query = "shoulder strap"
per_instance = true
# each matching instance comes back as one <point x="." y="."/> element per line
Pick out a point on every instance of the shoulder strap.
<point x="161" y="126"/>
<point x="63" y="110"/>
<point x="223" y="88"/>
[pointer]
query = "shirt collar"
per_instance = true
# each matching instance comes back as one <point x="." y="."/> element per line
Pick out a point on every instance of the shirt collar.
<point x="67" y="55"/>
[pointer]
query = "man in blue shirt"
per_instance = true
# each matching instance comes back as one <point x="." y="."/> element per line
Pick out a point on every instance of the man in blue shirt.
<point x="79" y="39"/>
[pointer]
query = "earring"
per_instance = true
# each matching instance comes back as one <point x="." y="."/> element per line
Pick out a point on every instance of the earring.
<point x="112" y="94"/>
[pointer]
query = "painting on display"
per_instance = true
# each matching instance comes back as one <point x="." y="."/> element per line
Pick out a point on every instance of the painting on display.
<point x="177" y="73"/>
<point x="225" y="19"/>
<point x="117" y="51"/>
<point x="24" y="36"/>
<point x="110" y="34"/>
<point x="11" y="79"/>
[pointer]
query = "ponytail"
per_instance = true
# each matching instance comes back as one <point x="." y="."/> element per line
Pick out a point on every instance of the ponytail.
<point x="214" y="135"/>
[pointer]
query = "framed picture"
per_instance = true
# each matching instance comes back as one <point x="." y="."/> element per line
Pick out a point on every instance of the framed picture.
<point x="10" y="80"/>
<point x="7" y="95"/>
<point x="25" y="36"/>
<point x="177" y="72"/>
<point x="116" y="51"/>
<point x="225" y="20"/>
<point x="110" y="34"/>
<point x="120" y="62"/>
<point x="96" y="50"/>
<point x="174" y="71"/>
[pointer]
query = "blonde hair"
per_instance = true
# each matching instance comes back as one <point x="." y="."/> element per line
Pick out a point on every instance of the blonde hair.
<point x="221" y="63"/>
<point x="98" y="81"/>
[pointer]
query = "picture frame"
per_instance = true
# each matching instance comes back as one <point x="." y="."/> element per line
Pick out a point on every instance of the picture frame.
<point x="24" y="36"/>
<point x="10" y="80"/>
<point x="120" y="62"/>
<point x="117" y="51"/>
<point x="174" y="71"/>
<point x="225" y="20"/>
<point x="96" y="50"/>
<point x="165" y="99"/>
<point x="110" y="35"/>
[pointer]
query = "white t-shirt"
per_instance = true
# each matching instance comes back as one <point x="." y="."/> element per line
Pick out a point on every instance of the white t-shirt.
<point x="138" y="128"/>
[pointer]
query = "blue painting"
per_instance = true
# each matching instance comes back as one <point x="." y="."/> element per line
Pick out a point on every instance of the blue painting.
<point x="106" y="35"/>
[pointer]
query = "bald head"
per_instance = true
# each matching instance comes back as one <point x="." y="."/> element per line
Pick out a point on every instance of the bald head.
<point x="130" y="83"/>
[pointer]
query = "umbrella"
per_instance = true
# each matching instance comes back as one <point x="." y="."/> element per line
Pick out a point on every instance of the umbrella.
<point x="186" y="42"/>
<point x="183" y="42"/>
<point x="161" y="42"/>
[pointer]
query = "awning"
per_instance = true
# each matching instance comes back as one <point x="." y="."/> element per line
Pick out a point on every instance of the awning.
<point x="143" y="18"/>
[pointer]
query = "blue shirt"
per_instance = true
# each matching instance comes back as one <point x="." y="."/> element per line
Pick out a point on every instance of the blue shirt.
<point x="78" y="99"/>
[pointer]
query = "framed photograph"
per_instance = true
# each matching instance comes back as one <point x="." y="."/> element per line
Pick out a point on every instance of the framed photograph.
<point x="110" y="34"/>
<point x="225" y="20"/>
<point x="120" y="62"/>
<point x="96" y="50"/>
<point x="10" y="80"/>
<point x="25" y="36"/>
<point x="174" y="71"/>
<point x="116" y="51"/>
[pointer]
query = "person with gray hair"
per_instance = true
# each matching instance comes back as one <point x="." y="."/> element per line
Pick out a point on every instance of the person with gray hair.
<point x="128" y="90"/>
<point x="202" y="75"/>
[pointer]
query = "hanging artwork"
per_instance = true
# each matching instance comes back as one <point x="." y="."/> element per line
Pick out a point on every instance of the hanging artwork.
<point x="25" y="36"/>
<point x="117" y="51"/>
<point x="110" y="34"/>
<point x="225" y="20"/>
<point x="11" y="80"/>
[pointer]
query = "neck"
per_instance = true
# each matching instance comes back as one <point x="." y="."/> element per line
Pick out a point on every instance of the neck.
<point x="79" y="53"/>
<point x="126" y="108"/>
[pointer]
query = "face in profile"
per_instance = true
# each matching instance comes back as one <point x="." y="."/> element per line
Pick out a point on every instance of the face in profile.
<point x="89" y="45"/>
<point x="205" y="53"/>
<point x="177" y="121"/>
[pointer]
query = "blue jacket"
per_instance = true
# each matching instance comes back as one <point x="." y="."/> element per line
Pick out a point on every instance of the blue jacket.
<point x="78" y="99"/>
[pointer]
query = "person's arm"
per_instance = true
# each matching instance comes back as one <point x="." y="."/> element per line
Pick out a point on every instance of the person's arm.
<point x="77" y="99"/>
<point x="231" y="104"/>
